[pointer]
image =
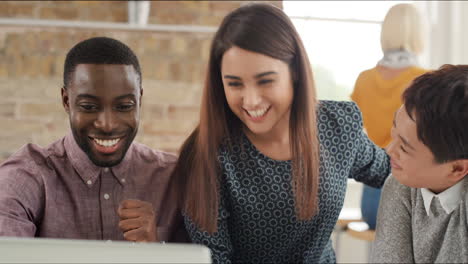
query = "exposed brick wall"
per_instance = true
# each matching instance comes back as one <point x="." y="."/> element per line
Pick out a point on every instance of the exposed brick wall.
<point x="30" y="109"/>
<point x="108" y="11"/>
<point x="31" y="68"/>
<point x="161" y="12"/>
<point x="194" y="12"/>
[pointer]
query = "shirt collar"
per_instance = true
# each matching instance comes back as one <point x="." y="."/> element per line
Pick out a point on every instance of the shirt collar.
<point x="449" y="199"/>
<point x="87" y="170"/>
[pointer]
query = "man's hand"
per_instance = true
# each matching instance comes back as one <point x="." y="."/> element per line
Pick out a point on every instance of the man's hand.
<point x="137" y="221"/>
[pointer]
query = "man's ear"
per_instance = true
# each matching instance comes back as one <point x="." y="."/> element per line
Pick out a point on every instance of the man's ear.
<point x="65" y="100"/>
<point x="459" y="170"/>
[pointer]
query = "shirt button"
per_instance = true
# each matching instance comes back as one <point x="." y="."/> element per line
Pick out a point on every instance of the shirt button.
<point x="106" y="196"/>
<point x="106" y="169"/>
<point x="89" y="182"/>
<point x="122" y="180"/>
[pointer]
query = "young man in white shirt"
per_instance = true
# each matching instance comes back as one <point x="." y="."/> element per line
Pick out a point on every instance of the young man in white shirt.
<point x="423" y="210"/>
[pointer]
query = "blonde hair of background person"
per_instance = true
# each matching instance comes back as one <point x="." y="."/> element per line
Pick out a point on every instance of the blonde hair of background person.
<point x="403" y="28"/>
<point x="378" y="90"/>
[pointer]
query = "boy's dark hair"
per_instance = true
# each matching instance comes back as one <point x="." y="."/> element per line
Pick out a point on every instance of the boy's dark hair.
<point x="99" y="50"/>
<point x="438" y="102"/>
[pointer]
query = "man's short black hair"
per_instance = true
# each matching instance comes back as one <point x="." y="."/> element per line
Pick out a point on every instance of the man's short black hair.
<point x="438" y="102"/>
<point x="99" y="50"/>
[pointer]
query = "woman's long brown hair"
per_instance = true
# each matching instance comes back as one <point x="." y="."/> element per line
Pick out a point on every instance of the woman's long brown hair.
<point x="264" y="29"/>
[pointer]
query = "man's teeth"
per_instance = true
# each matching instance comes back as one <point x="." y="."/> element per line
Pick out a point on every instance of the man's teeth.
<point x="258" y="113"/>
<point x="107" y="143"/>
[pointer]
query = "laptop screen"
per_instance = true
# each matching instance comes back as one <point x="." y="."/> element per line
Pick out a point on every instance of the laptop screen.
<point x="46" y="250"/>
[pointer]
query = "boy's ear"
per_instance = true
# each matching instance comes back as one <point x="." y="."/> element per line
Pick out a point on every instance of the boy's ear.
<point x="459" y="169"/>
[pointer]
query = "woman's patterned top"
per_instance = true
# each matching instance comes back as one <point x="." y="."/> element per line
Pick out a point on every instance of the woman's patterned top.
<point x="257" y="221"/>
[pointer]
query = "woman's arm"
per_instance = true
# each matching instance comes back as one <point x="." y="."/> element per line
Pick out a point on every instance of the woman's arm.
<point x="371" y="163"/>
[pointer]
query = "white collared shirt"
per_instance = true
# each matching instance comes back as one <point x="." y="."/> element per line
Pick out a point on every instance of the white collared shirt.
<point x="449" y="199"/>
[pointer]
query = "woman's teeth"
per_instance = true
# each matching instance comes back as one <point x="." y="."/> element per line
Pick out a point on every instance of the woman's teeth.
<point x="107" y="143"/>
<point x="258" y="113"/>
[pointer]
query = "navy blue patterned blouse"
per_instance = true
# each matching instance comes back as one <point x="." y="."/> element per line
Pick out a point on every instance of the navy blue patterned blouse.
<point x="257" y="221"/>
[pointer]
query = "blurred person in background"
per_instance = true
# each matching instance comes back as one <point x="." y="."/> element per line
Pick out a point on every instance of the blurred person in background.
<point x="378" y="91"/>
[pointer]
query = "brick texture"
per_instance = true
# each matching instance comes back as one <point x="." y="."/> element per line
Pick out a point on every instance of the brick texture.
<point x="173" y="67"/>
<point x="161" y="12"/>
<point x="109" y="11"/>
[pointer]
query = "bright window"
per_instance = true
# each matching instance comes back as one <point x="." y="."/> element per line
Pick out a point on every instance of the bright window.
<point x="342" y="38"/>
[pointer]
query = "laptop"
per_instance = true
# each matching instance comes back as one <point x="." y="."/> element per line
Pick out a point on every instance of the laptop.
<point x="46" y="250"/>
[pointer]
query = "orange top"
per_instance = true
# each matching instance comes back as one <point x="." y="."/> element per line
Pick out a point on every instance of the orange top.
<point x="379" y="99"/>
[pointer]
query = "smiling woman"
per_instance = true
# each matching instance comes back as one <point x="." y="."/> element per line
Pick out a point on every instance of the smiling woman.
<point x="261" y="100"/>
<point x="263" y="176"/>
